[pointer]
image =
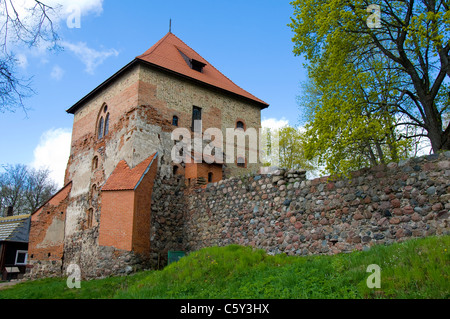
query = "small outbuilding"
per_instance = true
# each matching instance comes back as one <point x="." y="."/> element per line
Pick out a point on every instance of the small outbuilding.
<point x="14" y="234"/>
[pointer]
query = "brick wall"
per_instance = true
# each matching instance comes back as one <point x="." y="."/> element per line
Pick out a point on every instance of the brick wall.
<point x="142" y="213"/>
<point x="46" y="244"/>
<point x="116" y="222"/>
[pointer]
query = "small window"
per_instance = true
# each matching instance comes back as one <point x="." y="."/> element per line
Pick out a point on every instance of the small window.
<point x="100" y="128"/>
<point x="94" y="193"/>
<point x="196" y="116"/>
<point x="95" y="163"/>
<point x="210" y="177"/>
<point x="241" y="162"/>
<point x="21" y="257"/>
<point x="90" y="217"/>
<point x="175" y="170"/>
<point x="240" y="125"/>
<point x="197" y="65"/>
<point x="175" y="120"/>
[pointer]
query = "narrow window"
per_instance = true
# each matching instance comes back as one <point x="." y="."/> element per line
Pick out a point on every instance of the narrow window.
<point x="100" y="128"/>
<point x="175" y="170"/>
<point x="106" y="125"/>
<point x="95" y="163"/>
<point x="90" y="216"/>
<point x="240" y="125"/>
<point x="196" y="116"/>
<point x="210" y="177"/>
<point x="94" y="194"/>
<point x="175" y="120"/>
<point x="241" y="162"/>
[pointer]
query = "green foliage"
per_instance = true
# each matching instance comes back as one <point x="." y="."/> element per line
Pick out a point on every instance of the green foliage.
<point x="416" y="268"/>
<point x="374" y="92"/>
<point x="289" y="152"/>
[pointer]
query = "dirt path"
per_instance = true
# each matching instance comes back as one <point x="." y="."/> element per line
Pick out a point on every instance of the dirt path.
<point x="6" y="285"/>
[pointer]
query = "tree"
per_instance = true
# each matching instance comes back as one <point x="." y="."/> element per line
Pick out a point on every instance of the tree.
<point x="344" y="132"/>
<point x="21" y="25"/>
<point x="288" y="152"/>
<point x="402" y="64"/>
<point x="24" y="189"/>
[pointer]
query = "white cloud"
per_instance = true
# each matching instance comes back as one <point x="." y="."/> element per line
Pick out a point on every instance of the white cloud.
<point x="53" y="152"/>
<point x="57" y="73"/>
<point x="274" y="123"/>
<point x="91" y="58"/>
<point x="64" y="8"/>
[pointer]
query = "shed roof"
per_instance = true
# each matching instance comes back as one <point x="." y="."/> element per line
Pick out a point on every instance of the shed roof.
<point x="125" y="178"/>
<point x="15" y="228"/>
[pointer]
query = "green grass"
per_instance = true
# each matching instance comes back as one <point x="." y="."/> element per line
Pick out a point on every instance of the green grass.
<point x="414" y="269"/>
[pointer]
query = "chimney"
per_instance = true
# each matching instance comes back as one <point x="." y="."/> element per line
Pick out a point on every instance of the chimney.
<point x="10" y="211"/>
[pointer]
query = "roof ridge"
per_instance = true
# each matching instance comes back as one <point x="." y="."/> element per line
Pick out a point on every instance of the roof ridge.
<point x="214" y="67"/>
<point x="229" y="82"/>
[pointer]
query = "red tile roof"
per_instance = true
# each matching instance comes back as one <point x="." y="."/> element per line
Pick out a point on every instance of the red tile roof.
<point x="125" y="178"/>
<point x="166" y="54"/>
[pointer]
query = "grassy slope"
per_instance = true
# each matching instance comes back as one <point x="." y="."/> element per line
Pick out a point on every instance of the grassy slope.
<point x="413" y="269"/>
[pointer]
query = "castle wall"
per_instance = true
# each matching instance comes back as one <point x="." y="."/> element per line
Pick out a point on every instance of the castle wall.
<point x="284" y="213"/>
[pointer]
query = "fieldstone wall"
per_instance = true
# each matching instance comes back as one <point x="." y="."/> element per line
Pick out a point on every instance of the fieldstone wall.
<point x="285" y="213"/>
<point x="167" y="225"/>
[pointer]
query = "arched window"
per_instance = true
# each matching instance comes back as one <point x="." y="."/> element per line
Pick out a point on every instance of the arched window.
<point x="175" y="120"/>
<point x="95" y="163"/>
<point x="103" y="122"/>
<point x="240" y="125"/>
<point x="94" y="191"/>
<point x="106" y="125"/>
<point x="100" y="128"/>
<point x="90" y="217"/>
<point x="175" y="170"/>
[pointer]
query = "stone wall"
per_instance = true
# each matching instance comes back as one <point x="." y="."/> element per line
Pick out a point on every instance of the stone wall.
<point x="167" y="224"/>
<point x="284" y="213"/>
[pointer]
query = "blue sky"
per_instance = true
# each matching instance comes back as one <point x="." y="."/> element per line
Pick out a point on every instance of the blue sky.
<point x="248" y="41"/>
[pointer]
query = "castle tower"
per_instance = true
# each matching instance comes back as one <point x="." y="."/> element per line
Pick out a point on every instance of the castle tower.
<point x="121" y="143"/>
